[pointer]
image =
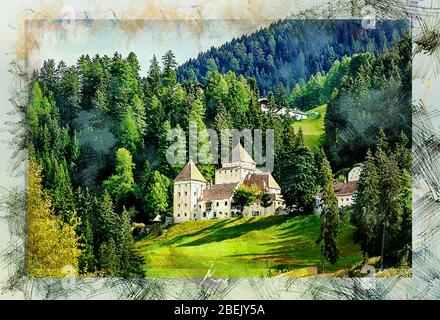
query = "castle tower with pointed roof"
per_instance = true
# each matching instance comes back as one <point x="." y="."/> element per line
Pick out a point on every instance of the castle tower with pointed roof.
<point x="235" y="167"/>
<point x="188" y="187"/>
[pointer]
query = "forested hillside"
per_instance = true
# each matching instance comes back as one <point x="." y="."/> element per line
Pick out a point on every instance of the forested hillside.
<point x="97" y="136"/>
<point x="290" y="51"/>
<point x="373" y="93"/>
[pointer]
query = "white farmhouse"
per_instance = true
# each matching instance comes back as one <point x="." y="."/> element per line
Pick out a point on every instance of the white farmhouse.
<point x="355" y="172"/>
<point x="295" y="113"/>
<point x="196" y="199"/>
<point x="344" y="190"/>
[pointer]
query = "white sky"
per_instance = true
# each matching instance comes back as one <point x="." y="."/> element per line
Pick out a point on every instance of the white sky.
<point x="185" y="38"/>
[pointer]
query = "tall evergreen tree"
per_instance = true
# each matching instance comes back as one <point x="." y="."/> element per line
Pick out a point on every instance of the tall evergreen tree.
<point x="330" y="217"/>
<point x="297" y="169"/>
<point x="366" y="202"/>
<point x="157" y="198"/>
<point x="153" y="79"/>
<point x="129" y="136"/>
<point x="390" y="205"/>
<point x="121" y="184"/>
<point x="169" y="69"/>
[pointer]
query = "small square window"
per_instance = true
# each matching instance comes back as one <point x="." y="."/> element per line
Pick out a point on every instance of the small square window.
<point x="185" y="214"/>
<point x="226" y="203"/>
<point x="186" y="193"/>
<point x="178" y="215"/>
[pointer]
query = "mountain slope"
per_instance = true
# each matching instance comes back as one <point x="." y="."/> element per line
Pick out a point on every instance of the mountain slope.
<point x="291" y="50"/>
<point x="313" y="128"/>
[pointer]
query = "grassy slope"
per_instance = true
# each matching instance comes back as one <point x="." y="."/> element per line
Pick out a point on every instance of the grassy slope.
<point x="313" y="129"/>
<point x="246" y="247"/>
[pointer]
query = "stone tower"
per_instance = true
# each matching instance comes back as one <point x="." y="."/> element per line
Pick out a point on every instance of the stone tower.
<point x="235" y="167"/>
<point x="188" y="187"/>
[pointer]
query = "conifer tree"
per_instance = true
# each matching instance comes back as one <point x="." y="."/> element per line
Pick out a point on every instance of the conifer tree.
<point x="404" y="239"/>
<point x="169" y="69"/>
<point x="109" y="258"/>
<point x="223" y="119"/>
<point x="330" y="217"/>
<point x="127" y="257"/>
<point x="121" y="184"/>
<point x="271" y="103"/>
<point x="107" y="221"/>
<point x="158" y="195"/>
<point x="129" y="136"/>
<point x="281" y="97"/>
<point x="390" y="205"/>
<point x="155" y="116"/>
<point x="143" y="186"/>
<point x="366" y="202"/>
<point x="86" y="205"/>
<point x="154" y="78"/>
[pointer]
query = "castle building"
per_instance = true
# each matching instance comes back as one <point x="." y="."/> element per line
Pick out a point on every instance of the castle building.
<point x="197" y="199"/>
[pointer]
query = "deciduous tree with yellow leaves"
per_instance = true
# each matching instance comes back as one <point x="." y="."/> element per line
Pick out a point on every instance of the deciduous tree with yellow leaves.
<point x="52" y="244"/>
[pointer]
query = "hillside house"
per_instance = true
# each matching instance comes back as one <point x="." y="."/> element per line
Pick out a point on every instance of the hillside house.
<point x="345" y="191"/>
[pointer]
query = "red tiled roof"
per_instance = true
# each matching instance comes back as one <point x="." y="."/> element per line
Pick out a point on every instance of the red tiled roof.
<point x="218" y="192"/>
<point x="262" y="180"/>
<point x="258" y="179"/>
<point x="344" y="189"/>
<point x="190" y="172"/>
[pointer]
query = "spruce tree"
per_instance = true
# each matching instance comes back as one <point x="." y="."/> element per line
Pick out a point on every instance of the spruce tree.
<point x="366" y="202"/>
<point x="169" y="69"/>
<point x="281" y="97"/>
<point x="390" y="205"/>
<point x="121" y="184"/>
<point x="153" y="80"/>
<point x="129" y="136"/>
<point x="157" y="198"/>
<point x="330" y="217"/>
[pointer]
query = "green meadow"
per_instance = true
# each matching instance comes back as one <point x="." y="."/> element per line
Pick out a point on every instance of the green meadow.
<point x="313" y="128"/>
<point x="261" y="246"/>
